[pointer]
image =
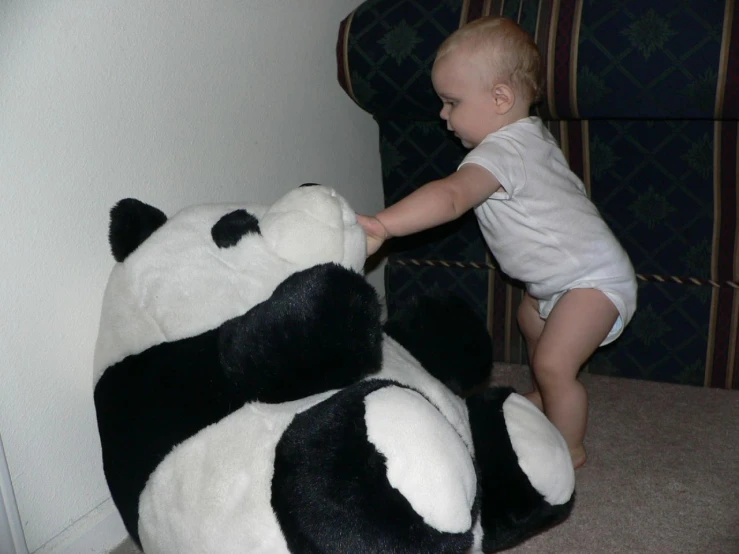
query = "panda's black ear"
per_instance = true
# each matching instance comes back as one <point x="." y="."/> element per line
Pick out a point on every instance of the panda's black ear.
<point x="131" y="223"/>
<point x="309" y="185"/>
<point x="231" y="227"/>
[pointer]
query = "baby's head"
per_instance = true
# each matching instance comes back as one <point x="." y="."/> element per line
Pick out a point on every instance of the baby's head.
<point x="487" y="75"/>
<point x="502" y="52"/>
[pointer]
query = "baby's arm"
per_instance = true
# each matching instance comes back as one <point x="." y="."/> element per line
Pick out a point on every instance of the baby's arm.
<point x="434" y="203"/>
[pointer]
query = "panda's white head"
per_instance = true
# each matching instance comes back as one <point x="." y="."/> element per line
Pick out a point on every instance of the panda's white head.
<point x="182" y="276"/>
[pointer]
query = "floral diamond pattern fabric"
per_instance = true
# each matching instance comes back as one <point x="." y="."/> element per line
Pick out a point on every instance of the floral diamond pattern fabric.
<point x="644" y="98"/>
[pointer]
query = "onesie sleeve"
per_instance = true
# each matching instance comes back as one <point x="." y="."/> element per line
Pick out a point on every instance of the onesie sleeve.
<point x="500" y="156"/>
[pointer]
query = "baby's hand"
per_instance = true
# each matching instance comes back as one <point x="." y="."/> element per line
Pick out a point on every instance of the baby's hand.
<point x="375" y="231"/>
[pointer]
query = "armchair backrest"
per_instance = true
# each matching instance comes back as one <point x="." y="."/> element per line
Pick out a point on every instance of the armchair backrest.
<point x="603" y="60"/>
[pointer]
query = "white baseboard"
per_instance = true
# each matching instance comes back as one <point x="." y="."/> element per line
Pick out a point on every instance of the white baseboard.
<point x="98" y="532"/>
<point x="12" y="540"/>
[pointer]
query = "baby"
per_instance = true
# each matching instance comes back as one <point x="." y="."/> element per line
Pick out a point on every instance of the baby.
<point x="533" y="211"/>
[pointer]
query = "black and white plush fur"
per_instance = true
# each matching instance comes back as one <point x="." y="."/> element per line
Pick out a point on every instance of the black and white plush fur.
<point x="248" y="400"/>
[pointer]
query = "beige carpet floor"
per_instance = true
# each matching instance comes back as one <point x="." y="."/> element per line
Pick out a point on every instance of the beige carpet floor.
<point x="662" y="475"/>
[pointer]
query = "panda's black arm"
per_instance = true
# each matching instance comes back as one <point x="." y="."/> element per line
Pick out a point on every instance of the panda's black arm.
<point x="447" y="336"/>
<point x="320" y="330"/>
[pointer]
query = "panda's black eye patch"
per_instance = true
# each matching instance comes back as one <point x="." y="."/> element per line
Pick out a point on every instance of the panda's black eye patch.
<point x="231" y="227"/>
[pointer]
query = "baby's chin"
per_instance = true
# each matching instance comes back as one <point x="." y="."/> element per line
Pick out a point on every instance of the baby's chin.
<point x="468" y="144"/>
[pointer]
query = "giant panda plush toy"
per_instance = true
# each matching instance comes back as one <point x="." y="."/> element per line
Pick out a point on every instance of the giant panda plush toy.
<point x="249" y="401"/>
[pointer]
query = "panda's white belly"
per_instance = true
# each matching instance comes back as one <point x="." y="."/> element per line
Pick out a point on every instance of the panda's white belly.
<point x="212" y="492"/>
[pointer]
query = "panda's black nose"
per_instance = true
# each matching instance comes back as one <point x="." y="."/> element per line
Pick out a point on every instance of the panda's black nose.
<point x="232" y="226"/>
<point x="309" y="185"/>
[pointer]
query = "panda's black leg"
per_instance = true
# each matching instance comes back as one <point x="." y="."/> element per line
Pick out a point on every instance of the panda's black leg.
<point x="512" y="508"/>
<point x="320" y="330"/>
<point x="331" y="489"/>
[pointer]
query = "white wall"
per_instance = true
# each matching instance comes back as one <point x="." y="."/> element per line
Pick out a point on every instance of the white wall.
<point x="173" y="102"/>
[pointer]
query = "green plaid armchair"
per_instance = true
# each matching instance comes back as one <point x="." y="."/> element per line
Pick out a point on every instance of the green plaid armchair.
<point x="643" y="96"/>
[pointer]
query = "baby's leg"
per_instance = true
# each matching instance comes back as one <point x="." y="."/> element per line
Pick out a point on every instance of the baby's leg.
<point x="576" y="326"/>
<point x="531" y="325"/>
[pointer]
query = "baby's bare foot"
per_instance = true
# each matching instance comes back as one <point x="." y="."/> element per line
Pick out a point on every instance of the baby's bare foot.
<point x="578" y="456"/>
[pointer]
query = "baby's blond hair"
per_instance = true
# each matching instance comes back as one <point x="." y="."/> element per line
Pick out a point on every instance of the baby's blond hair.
<point x="507" y="52"/>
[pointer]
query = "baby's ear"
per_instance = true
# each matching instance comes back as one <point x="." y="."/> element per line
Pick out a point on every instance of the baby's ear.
<point x="504" y="98"/>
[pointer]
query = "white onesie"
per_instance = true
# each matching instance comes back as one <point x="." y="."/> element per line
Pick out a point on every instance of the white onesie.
<point x="541" y="226"/>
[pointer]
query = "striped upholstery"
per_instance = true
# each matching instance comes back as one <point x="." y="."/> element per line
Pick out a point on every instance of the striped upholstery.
<point x="643" y="96"/>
